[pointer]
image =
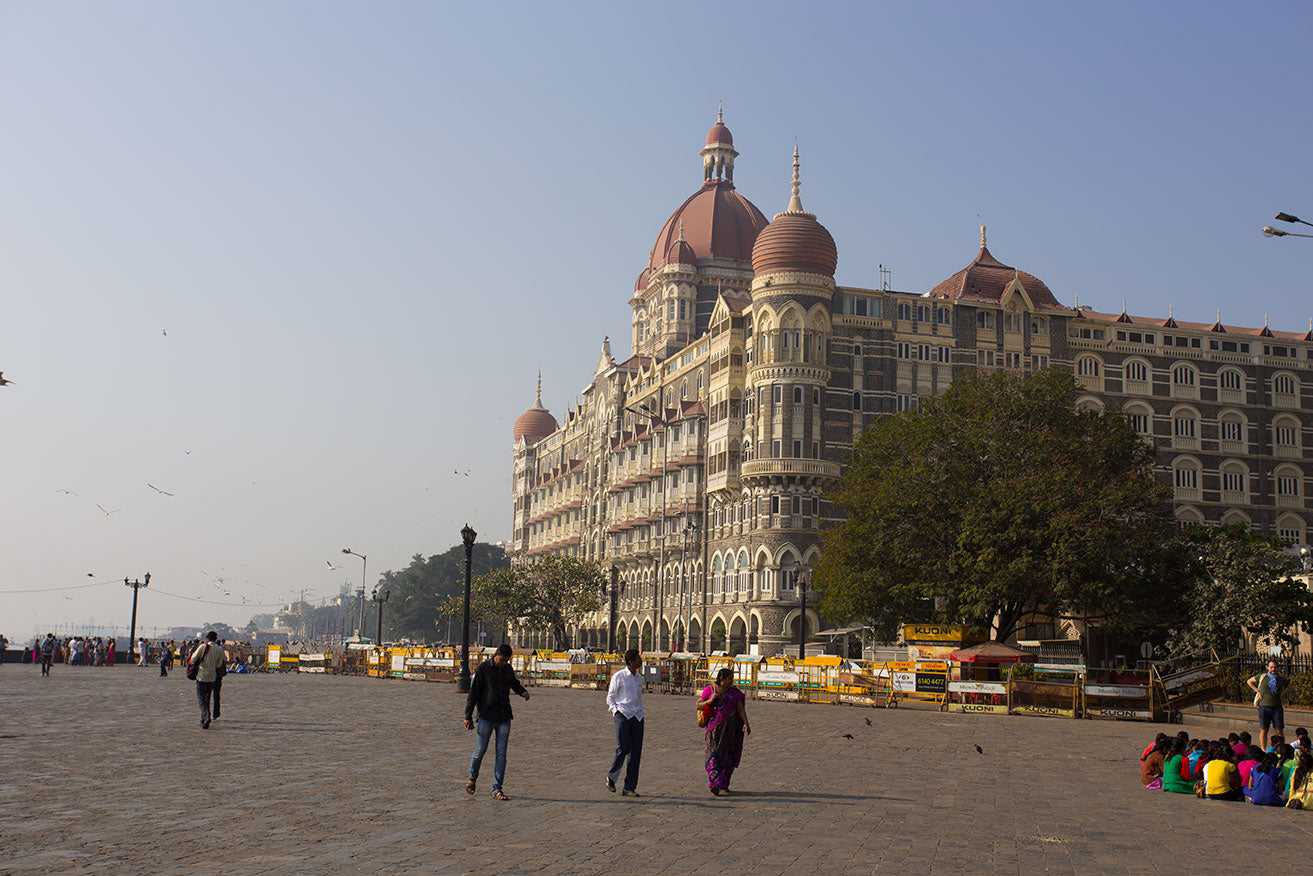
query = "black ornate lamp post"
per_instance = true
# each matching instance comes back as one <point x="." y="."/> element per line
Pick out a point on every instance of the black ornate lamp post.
<point x="132" y="636"/>
<point x="380" y="597"/>
<point x="467" y="535"/>
<point x="804" y="578"/>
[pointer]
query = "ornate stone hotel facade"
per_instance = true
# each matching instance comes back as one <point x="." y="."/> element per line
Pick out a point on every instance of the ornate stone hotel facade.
<point x="698" y="469"/>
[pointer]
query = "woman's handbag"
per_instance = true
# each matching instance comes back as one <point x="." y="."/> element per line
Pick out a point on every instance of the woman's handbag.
<point x="704" y="715"/>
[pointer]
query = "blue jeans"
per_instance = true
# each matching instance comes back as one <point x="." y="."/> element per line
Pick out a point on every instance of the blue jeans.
<point x="484" y="729"/>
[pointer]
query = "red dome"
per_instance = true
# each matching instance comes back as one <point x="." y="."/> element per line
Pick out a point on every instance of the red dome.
<point x="795" y="241"/>
<point x="720" y="134"/>
<point x="641" y="283"/>
<point x="534" y="425"/>
<point x="718" y="222"/>
<point x="986" y="278"/>
<point x="681" y="254"/>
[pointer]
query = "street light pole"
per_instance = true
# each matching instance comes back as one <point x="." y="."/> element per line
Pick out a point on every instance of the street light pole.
<point x="364" y="564"/>
<point x="467" y="535"/>
<point x="804" y="578"/>
<point x="1269" y="231"/>
<point x="132" y="636"/>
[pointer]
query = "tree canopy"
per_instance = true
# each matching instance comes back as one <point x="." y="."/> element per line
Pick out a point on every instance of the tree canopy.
<point x="546" y="596"/>
<point x="996" y="500"/>
<point x="419" y="589"/>
<point x="1239" y="583"/>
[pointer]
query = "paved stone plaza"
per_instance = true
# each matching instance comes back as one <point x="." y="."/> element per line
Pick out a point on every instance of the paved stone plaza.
<point x="107" y="771"/>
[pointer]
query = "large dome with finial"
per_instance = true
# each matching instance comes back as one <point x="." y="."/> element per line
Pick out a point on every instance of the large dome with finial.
<point x="537" y="422"/>
<point x="717" y="221"/>
<point x="794" y="240"/>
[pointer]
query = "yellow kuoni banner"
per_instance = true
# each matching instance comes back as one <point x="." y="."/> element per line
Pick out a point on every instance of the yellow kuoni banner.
<point x="939" y="634"/>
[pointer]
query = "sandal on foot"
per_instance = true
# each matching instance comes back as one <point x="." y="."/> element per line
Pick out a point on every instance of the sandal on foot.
<point x="469" y="787"/>
<point x="715" y="791"/>
<point x="498" y="795"/>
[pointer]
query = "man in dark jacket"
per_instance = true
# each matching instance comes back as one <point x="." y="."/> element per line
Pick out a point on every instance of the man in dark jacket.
<point x="491" y="692"/>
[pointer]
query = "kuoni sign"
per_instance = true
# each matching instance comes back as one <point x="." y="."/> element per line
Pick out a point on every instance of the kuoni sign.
<point x="936" y="634"/>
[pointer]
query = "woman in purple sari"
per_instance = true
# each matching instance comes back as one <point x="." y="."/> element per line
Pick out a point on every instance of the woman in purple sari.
<point x="727" y="724"/>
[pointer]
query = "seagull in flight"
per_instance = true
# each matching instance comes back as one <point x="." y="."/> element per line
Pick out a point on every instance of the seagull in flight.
<point x="158" y="490"/>
<point x="106" y="510"/>
<point x="66" y="492"/>
<point x="3" y="381"/>
<point x="330" y="564"/>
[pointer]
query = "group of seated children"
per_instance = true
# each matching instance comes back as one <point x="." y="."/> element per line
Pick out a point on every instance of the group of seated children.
<point x="1232" y="769"/>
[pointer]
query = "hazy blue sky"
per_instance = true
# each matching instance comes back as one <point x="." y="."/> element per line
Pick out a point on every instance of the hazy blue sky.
<point x="364" y="226"/>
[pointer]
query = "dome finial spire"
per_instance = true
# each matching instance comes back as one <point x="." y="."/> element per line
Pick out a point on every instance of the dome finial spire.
<point x="720" y="113"/>
<point x="982" y="235"/>
<point x="538" y="396"/>
<point x="681" y="228"/>
<point x="795" y="202"/>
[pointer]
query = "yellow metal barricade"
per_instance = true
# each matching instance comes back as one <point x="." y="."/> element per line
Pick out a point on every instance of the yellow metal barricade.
<point x="273" y="657"/>
<point x="1053" y="693"/>
<point x="918" y="681"/>
<point x="818" y="679"/>
<point x="553" y="669"/>
<point x="978" y="696"/>
<point x="865" y="683"/>
<point x="777" y="679"/>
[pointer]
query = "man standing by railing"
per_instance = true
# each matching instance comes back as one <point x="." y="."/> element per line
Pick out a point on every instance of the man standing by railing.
<point x="1268" y="688"/>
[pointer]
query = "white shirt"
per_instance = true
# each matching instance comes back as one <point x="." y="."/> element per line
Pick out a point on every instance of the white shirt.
<point x="625" y="694"/>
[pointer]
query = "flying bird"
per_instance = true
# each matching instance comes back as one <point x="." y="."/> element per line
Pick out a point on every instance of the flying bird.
<point x="107" y="511"/>
<point x="165" y="331"/>
<point x="90" y="575"/>
<point x="3" y="381"/>
<point x="66" y="492"/>
<point x="330" y="564"/>
<point x="158" y="490"/>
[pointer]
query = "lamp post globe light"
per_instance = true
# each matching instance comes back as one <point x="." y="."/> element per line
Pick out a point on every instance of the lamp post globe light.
<point x="467" y="536"/>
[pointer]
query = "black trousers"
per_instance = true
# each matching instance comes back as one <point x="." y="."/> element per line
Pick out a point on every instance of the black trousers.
<point x="218" y="688"/>
<point x="205" y="690"/>
<point x="628" y="743"/>
<point x="46" y="660"/>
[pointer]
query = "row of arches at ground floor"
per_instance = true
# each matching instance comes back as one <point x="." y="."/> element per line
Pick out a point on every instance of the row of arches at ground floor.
<point x="772" y="629"/>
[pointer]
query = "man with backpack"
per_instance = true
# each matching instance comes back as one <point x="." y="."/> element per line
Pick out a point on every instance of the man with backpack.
<point x="207" y="666"/>
<point x="1268" y="688"/>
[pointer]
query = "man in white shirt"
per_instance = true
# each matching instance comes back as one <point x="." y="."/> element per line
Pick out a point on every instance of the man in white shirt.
<point x="624" y="697"/>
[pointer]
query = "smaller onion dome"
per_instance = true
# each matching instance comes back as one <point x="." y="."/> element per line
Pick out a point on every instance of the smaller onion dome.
<point x="680" y="253"/>
<point x="536" y="423"/>
<point x="794" y="240"/>
<point x="719" y="134"/>
<point x="640" y="284"/>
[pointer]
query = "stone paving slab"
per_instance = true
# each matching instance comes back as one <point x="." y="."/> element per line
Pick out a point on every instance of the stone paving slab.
<point x="106" y="770"/>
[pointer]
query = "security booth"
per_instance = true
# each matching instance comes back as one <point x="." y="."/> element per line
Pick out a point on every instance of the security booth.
<point x="977" y="683"/>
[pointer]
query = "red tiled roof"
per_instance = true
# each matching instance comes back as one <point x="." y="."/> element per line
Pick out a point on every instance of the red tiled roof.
<point x="1155" y="322"/>
<point x="986" y="278"/>
<point x="719" y="134"/>
<point x="534" y="425"/>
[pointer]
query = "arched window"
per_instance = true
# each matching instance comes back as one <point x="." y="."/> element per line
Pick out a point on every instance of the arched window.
<point x="1289" y="483"/>
<point x="1185" y="428"/>
<point x="1137" y="370"/>
<point x="1231" y="429"/>
<point x="683" y="391"/>
<point x="788" y="574"/>
<point x="745" y="573"/>
<point x="1231" y="379"/>
<point x="904" y="311"/>
<point x="1235" y="481"/>
<point x="857" y="401"/>
<point x="943" y="316"/>
<point x="1141" y="417"/>
<point x="1285" y="384"/>
<point x="717" y="576"/>
<point x="1185" y="476"/>
<point x="1292" y="530"/>
<point x="1185" y="381"/>
<point x="1285" y="436"/>
<point x="1087" y="366"/>
<point x="922" y="313"/>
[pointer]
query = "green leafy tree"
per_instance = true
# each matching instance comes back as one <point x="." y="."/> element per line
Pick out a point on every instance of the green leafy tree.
<point x="547" y="596"/>
<point x="997" y="500"/>
<point x="418" y="590"/>
<point x="1239" y="583"/>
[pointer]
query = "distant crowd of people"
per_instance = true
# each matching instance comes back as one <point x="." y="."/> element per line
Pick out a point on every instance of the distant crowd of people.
<point x="103" y="651"/>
